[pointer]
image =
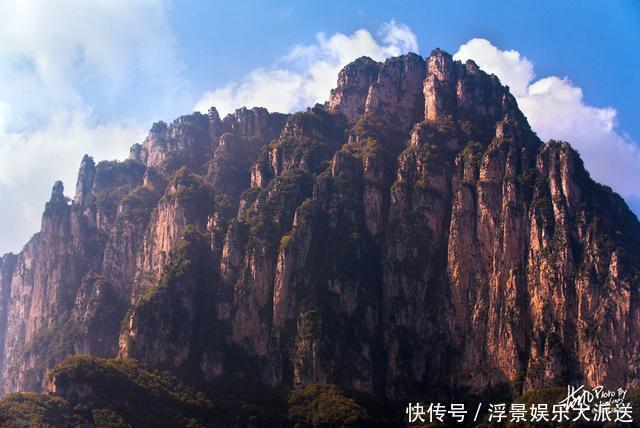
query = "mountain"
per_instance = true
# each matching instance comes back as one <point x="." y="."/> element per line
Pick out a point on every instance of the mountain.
<point x="410" y="237"/>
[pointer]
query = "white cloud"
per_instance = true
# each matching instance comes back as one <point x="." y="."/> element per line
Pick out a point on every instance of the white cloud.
<point x="398" y="38"/>
<point x="54" y="51"/>
<point x="59" y="61"/>
<point x="55" y="57"/>
<point x="29" y="164"/>
<point x="54" y="152"/>
<point x="513" y="69"/>
<point x="308" y="72"/>
<point x="556" y="109"/>
<point x="278" y="89"/>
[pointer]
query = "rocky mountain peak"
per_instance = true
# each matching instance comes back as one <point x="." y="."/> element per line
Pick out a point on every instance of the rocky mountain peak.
<point x="407" y="89"/>
<point x="159" y="129"/>
<point x="86" y="177"/>
<point x="411" y="235"/>
<point x="57" y="192"/>
<point x="58" y="202"/>
<point x="354" y="80"/>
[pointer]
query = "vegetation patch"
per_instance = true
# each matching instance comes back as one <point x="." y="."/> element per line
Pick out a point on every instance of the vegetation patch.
<point x="324" y="405"/>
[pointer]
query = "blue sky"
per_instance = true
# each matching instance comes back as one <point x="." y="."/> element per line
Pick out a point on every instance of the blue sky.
<point x="595" y="43"/>
<point x="90" y="77"/>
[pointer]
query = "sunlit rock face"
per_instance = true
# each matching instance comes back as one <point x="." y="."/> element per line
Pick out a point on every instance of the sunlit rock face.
<point x="412" y="233"/>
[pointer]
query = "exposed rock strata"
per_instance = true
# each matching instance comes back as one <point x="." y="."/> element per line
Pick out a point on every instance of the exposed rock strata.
<point x="411" y="234"/>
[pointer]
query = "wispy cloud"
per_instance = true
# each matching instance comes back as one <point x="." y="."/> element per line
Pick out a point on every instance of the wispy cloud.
<point x="306" y="74"/>
<point x="54" y="58"/>
<point x="58" y="57"/>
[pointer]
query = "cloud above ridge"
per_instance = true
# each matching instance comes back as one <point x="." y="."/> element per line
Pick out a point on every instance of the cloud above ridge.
<point x="60" y="60"/>
<point x="554" y="106"/>
<point x="306" y="74"/>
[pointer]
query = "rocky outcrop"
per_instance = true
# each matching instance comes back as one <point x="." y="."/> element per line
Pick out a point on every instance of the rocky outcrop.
<point x="7" y="264"/>
<point x="354" y="81"/>
<point x="171" y="323"/>
<point x="187" y="141"/>
<point x="412" y="234"/>
<point x="395" y="96"/>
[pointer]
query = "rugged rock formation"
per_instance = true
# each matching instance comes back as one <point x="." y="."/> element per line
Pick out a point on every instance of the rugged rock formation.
<point x="412" y="234"/>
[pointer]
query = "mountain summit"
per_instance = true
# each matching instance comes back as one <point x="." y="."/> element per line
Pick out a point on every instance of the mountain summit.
<point x="412" y="234"/>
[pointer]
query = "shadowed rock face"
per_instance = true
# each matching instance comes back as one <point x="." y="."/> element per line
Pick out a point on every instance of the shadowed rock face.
<point x="411" y="234"/>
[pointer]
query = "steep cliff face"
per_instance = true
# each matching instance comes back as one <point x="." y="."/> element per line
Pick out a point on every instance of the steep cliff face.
<point x="411" y="234"/>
